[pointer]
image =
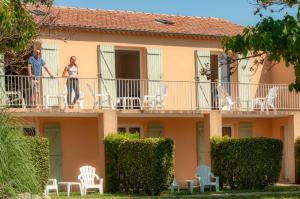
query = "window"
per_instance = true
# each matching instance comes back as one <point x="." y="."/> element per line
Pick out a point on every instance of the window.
<point x="164" y="21"/>
<point x="130" y="129"/>
<point x="227" y="131"/>
<point x="29" y="131"/>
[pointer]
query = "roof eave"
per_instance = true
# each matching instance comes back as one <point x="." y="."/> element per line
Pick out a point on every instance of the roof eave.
<point x="153" y="33"/>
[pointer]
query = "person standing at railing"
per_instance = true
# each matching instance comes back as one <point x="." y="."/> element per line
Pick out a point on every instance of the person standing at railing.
<point x="72" y="82"/>
<point x="35" y="64"/>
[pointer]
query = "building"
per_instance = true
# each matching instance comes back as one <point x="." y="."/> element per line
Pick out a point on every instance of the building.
<point x="141" y="72"/>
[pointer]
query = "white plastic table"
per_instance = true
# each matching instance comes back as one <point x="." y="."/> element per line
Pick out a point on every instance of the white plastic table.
<point x="69" y="186"/>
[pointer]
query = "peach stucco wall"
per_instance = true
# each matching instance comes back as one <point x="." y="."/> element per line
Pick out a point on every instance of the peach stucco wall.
<point x="81" y="139"/>
<point x="183" y="132"/>
<point x="177" y="54"/>
<point x="260" y="126"/>
<point x="79" y="142"/>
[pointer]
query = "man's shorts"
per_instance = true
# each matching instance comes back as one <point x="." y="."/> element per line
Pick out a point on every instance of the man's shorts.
<point x="35" y="84"/>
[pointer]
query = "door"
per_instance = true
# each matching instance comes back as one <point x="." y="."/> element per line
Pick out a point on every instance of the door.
<point x="154" y="70"/>
<point x="107" y="71"/>
<point x="50" y="85"/>
<point x="203" y="87"/>
<point x="52" y="132"/>
<point x="244" y="82"/>
<point x="200" y="144"/>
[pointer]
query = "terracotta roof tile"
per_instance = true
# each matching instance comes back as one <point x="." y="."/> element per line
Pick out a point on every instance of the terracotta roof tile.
<point x="141" y="22"/>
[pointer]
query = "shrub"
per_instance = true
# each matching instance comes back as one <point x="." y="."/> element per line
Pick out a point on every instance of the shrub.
<point x="39" y="151"/>
<point x="143" y="166"/>
<point x="112" y="151"/>
<point x="297" y="159"/>
<point x="16" y="170"/>
<point x="246" y="163"/>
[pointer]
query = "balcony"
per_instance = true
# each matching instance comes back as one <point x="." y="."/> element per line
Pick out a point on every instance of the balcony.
<point x="21" y="92"/>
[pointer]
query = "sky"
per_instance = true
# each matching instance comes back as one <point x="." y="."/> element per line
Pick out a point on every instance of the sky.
<point x="237" y="11"/>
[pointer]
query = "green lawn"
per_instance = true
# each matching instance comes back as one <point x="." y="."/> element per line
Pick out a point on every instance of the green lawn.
<point x="273" y="192"/>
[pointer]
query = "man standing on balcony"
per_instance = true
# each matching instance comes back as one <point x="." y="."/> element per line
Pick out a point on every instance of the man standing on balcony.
<point x="35" y="64"/>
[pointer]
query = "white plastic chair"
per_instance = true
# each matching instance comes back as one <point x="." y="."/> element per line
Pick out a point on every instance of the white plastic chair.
<point x="266" y="102"/>
<point x="87" y="179"/>
<point x="51" y="186"/>
<point x="99" y="99"/>
<point x="157" y="100"/>
<point x="14" y="98"/>
<point x="206" y="178"/>
<point x="63" y="96"/>
<point x="174" y="185"/>
<point x="225" y="100"/>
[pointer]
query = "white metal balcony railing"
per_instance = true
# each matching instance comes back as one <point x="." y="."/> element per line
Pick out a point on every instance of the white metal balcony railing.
<point x="19" y="92"/>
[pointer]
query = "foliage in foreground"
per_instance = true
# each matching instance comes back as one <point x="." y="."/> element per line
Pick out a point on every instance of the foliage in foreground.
<point x="143" y="166"/>
<point x="16" y="170"/>
<point x="246" y="163"/>
<point x="39" y="156"/>
<point x="276" y="38"/>
<point x="297" y="159"/>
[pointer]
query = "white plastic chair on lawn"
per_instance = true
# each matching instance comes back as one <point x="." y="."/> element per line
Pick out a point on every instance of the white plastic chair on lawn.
<point x="268" y="101"/>
<point x="206" y="178"/>
<point x="87" y="179"/>
<point x="225" y="100"/>
<point x="51" y="186"/>
<point x="174" y="185"/>
<point x="157" y="100"/>
<point x="99" y="99"/>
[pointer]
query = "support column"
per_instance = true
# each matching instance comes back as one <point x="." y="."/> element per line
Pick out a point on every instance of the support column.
<point x="107" y="124"/>
<point x="212" y="127"/>
<point x="293" y="133"/>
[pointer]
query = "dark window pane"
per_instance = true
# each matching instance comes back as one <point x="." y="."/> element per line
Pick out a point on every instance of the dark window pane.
<point x="226" y="131"/>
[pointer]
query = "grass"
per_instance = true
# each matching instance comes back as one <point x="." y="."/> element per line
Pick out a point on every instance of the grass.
<point x="272" y="192"/>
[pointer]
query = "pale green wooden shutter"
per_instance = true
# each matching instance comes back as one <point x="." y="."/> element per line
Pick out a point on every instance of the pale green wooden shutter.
<point x="245" y="130"/>
<point x="107" y="71"/>
<point x="50" y="86"/>
<point x="52" y="132"/>
<point x="155" y="130"/>
<point x="244" y="82"/>
<point x="200" y="144"/>
<point x="223" y="68"/>
<point x="154" y="65"/>
<point x="2" y="81"/>
<point x="203" y="83"/>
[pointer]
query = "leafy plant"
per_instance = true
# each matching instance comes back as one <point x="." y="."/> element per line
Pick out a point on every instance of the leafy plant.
<point x="297" y="159"/>
<point x="17" y="174"/>
<point x="246" y="163"/>
<point x="143" y="166"/>
<point x="272" y="39"/>
<point x="39" y="156"/>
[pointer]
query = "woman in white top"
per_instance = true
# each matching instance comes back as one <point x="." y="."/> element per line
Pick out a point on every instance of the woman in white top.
<point x="71" y="71"/>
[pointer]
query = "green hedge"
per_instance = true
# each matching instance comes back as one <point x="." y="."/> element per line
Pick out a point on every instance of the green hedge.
<point x="143" y="166"/>
<point x="246" y="163"/>
<point x="297" y="159"/>
<point x="39" y="151"/>
<point x="16" y="170"/>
